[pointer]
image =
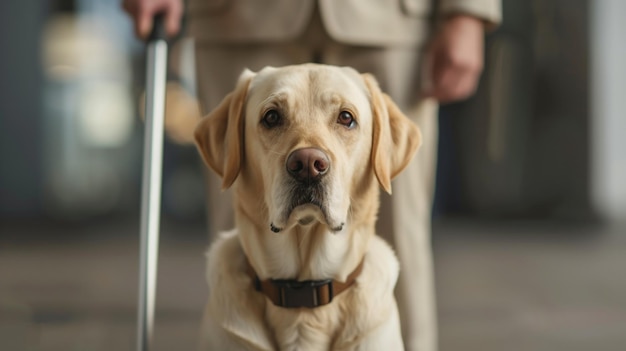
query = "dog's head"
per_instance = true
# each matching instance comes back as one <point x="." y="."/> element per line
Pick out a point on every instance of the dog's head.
<point x="307" y="142"/>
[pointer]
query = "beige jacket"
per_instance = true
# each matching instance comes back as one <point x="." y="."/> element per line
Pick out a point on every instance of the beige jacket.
<point x="356" y="22"/>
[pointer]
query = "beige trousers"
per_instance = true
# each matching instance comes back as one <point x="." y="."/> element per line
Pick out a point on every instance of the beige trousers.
<point x="404" y="219"/>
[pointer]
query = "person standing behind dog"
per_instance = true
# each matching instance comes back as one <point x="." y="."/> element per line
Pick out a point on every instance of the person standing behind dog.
<point x="423" y="52"/>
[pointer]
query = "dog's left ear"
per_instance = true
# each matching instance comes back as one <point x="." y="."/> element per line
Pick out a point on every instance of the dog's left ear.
<point x="219" y="135"/>
<point x="395" y="137"/>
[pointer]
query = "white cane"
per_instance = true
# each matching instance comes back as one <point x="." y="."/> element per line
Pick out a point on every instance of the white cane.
<point x="151" y="182"/>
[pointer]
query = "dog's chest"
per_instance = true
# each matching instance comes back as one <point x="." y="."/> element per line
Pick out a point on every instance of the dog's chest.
<point x="312" y="330"/>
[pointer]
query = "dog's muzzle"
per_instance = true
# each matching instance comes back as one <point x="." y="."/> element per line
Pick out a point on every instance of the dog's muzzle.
<point x="307" y="185"/>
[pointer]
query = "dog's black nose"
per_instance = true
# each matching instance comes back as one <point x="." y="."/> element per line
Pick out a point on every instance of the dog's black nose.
<point x="307" y="164"/>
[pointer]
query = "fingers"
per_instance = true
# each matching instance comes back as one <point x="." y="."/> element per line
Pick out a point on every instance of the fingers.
<point x="457" y="88"/>
<point x="456" y="83"/>
<point x="143" y="12"/>
<point x="455" y="60"/>
<point x="143" y="24"/>
<point x="452" y="79"/>
<point x="173" y="17"/>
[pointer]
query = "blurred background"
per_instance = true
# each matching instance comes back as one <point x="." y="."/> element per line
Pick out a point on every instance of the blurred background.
<point x="530" y="211"/>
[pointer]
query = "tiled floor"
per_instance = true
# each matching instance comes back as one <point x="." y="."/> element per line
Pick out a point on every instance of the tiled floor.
<point x="531" y="287"/>
<point x="501" y="286"/>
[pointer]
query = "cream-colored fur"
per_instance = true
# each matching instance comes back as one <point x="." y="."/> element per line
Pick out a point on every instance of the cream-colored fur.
<point x="316" y="241"/>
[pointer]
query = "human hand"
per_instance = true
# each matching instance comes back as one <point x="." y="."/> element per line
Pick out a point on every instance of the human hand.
<point x="143" y="12"/>
<point x="454" y="60"/>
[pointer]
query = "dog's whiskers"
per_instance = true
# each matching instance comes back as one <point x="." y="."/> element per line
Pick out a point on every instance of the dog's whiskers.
<point x="277" y="153"/>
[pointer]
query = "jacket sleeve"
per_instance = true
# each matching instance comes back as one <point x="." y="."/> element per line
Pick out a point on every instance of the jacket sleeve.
<point x="490" y="11"/>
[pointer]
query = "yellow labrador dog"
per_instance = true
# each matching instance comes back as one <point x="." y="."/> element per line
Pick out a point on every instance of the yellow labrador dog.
<point x="304" y="148"/>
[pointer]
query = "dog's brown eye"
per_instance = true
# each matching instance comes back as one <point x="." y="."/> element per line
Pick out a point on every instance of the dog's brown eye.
<point x="345" y="118"/>
<point x="271" y="119"/>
